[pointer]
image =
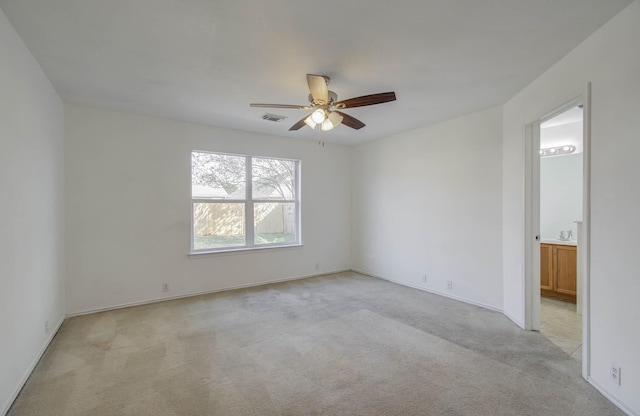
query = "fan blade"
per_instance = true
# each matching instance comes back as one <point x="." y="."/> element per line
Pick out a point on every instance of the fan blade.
<point x="372" y="99"/>
<point x="349" y="121"/>
<point x="295" y="107"/>
<point x="299" y="124"/>
<point x="318" y="88"/>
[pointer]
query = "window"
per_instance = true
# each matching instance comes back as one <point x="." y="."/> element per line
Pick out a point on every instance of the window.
<point x="243" y="202"/>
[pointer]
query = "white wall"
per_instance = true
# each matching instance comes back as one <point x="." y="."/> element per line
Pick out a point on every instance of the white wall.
<point x="31" y="212"/>
<point x="611" y="61"/>
<point x="560" y="194"/>
<point x="128" y="209"/>
<point x="429" y="202"/>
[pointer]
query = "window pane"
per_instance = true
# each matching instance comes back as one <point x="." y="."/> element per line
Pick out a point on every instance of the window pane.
<point x="218" y="225"/>
<point x="216" y="176"/>
<point x="273" y="179"/>
<point x="275" y="222"/>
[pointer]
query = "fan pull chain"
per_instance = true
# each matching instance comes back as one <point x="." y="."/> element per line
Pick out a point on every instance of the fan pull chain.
<point x="320" y="141"/>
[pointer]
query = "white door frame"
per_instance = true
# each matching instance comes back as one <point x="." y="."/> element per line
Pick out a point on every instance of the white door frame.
<point x="532" y="224"/>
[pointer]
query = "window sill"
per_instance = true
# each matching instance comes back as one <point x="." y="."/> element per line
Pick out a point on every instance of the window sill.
<point x="243" y="250"/>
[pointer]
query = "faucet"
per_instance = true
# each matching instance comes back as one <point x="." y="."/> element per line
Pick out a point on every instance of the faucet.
<point x="566" y="236"/>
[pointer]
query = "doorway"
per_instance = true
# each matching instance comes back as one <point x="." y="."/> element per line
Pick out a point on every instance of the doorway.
<point x="548" y="238"/>
<point x="561" y="183"/>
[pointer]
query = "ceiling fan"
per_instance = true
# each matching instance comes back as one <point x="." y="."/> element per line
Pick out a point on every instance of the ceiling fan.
<point x="325" y="105"/>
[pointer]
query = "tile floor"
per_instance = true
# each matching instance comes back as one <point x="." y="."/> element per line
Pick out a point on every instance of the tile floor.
<point x="560" y="323"/>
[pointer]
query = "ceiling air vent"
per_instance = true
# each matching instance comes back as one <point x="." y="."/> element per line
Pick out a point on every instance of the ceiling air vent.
<point x="273" y="117"/>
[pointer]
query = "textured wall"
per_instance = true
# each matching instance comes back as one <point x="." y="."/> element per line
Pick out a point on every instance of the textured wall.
<point x="31" y="212"/>
<point x="609" y="59"/>
<point x="134" y="173"/>
<point x="429" y="202"/>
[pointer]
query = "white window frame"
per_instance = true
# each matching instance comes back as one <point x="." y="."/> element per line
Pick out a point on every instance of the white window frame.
<point x="249" y="207"/>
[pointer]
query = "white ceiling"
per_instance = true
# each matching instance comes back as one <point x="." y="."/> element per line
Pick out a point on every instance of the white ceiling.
<point x="204" y="61"/>
<point x="572" y="115"/>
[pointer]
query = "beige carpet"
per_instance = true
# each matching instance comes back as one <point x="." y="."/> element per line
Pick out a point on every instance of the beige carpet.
<point x="344" y="344"/>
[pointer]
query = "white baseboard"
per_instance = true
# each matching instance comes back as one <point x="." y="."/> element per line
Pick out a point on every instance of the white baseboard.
<point x="204" y="292"/>
<point x="31" y="367"/>
<point x="514" y="319"/>
<point x="613" y="399"/>
<point x="435" y="292"/>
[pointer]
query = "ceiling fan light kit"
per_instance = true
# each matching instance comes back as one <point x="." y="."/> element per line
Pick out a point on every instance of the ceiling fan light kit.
<point x="318" y="116"/>
<point x="325" y="105"/>
<point x="331" y="121"/>
<point x="309" y="122"/>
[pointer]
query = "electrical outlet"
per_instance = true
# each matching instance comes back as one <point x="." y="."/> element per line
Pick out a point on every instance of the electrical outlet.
<point x="616" y="374"/>
<point x="165" y="287"/>
<point x="317" y="266"/>
<point x="424" y="278"/>
<point x="449" y="284"/>
<point x="46" y="327"/>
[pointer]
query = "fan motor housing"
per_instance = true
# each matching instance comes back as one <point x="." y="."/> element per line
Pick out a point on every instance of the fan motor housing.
<point x="333" y="97"/>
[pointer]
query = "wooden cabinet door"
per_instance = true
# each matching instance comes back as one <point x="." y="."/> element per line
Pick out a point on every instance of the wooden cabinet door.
<point x="566" y="269"/>
<point x="546" y="266"/>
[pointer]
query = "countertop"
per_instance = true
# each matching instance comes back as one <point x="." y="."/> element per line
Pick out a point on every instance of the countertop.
<point x="560" y="242"/>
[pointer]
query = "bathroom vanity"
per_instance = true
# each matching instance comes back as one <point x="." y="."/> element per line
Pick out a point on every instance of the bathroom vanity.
<point x="558" y="270"/>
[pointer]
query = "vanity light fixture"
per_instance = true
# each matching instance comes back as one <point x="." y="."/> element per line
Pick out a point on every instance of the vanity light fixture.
<point x="558" y="150"/>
